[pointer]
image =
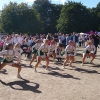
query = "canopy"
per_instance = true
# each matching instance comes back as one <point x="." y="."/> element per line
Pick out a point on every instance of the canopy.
<point x="82" y="33"/>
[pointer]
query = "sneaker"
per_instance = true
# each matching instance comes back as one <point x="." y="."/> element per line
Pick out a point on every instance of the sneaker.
<point x="70" y="65"/>
<point x="35" y="70"/>
<point x="91" y="62"/>
<point x="48" y="69"/>
<point x="82" y="64"/>
<point x="31" y="66"/>
<point x="18" y="76"/>
<point x="63" y="67"/>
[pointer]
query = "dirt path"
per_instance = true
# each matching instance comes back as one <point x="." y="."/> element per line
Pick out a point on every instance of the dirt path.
<point x="73" y="83"/>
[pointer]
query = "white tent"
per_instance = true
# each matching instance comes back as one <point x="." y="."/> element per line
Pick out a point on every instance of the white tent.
<point x="82" y="33"/>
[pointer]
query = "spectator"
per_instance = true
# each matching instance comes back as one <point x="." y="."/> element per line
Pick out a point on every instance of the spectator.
<point x="74" y="38"/>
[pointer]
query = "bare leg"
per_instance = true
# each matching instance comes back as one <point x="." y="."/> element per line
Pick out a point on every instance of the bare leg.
<point x="47" y="62"/>
<point x="93" y="56"/>
<point x="2" y="65"/>
<point x="84" y="56"/>
<point x="66" y="60"/>
<point x="19" y="69"/>
<point x="71" y="60"/>
<point x="54" y="56"/>
<point x="38" y="62"/>
<point x="34" y="56"/>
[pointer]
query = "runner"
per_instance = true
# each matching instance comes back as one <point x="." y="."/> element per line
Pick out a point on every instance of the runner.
<point x="35" y="50"/>
<point x="43" y="54"/>
<point x="52" y="49"/>
<point x="8" y="59"/>
<point x="89" y="52"/>
<point x="70" y="52"/>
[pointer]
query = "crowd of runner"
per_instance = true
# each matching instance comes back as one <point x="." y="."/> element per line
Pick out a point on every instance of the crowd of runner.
<point x="42" y="47"/>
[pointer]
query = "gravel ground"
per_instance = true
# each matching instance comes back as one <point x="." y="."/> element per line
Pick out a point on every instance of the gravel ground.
<point x="72" y="83"/>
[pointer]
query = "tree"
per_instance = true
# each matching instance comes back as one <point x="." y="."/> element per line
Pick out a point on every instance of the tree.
<point x="1" y="30"/>
<point x="20" y="18"/>
<point x="49" y="14"/>
<point x="74" y="17"/>
<point x="93" y="22"/>
<point x="56" y="9"/>
<point x="98" y="15"/>
<point x="44" y="8"/>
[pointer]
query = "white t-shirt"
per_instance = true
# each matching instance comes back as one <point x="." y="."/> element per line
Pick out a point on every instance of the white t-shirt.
<point x="15" y="40"/>
<point x="60" y="41"/>
<point x="90" y="48"/>
<point x="9" y="53"/>
<point x="20" y="39"/>
<point x="70" y="49"/>
<point x="44" y="48"/>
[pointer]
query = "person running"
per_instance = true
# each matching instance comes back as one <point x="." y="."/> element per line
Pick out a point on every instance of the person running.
<point x="70" y="53"/>
<point x="43" y="54"/>
<point x="8" y="58"/>
<point x="52" y="49"/>
<point x="35" y="50"/>
<point x="89" y="52"/>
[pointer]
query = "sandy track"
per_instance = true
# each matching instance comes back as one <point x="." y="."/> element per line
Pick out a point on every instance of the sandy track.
<point x="73" y="83"/>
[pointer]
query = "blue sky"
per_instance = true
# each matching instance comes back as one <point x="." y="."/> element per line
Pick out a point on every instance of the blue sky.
<point x="88" y="3"/>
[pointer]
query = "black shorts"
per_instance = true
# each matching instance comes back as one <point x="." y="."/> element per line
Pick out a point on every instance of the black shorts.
<point x="72" y="53"/>
<point x="53" y="51"/>
<point x="87" y="52"/>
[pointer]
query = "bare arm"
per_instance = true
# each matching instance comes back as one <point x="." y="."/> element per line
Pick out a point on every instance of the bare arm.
<point x="18" y="55"/>
<point x="41" y="47"/>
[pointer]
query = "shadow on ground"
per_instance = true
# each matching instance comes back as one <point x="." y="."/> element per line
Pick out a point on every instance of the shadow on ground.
<point x="51" y="68"/>
<point x="64" y="75"/>
<point x="24" y="85"/>
<point x="98" y="66"/>
<point x="26" y="66"/>
<point x="56" y="68"/>
<point x="85" y="71"/>
<point x="97" y="58"/>
<point x="80" y="54"/>
<point x="4" y="71"/>
<point x="58" y="63"/>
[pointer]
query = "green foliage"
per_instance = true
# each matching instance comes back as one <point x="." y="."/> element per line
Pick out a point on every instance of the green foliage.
<point x="74" y="17"/>
<point x="49" y="14"/>
<point x="98" y="15"/>
<point x="20" y="18"/>
<point x="45" y="17"/>
<point x="1" y="30"/>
